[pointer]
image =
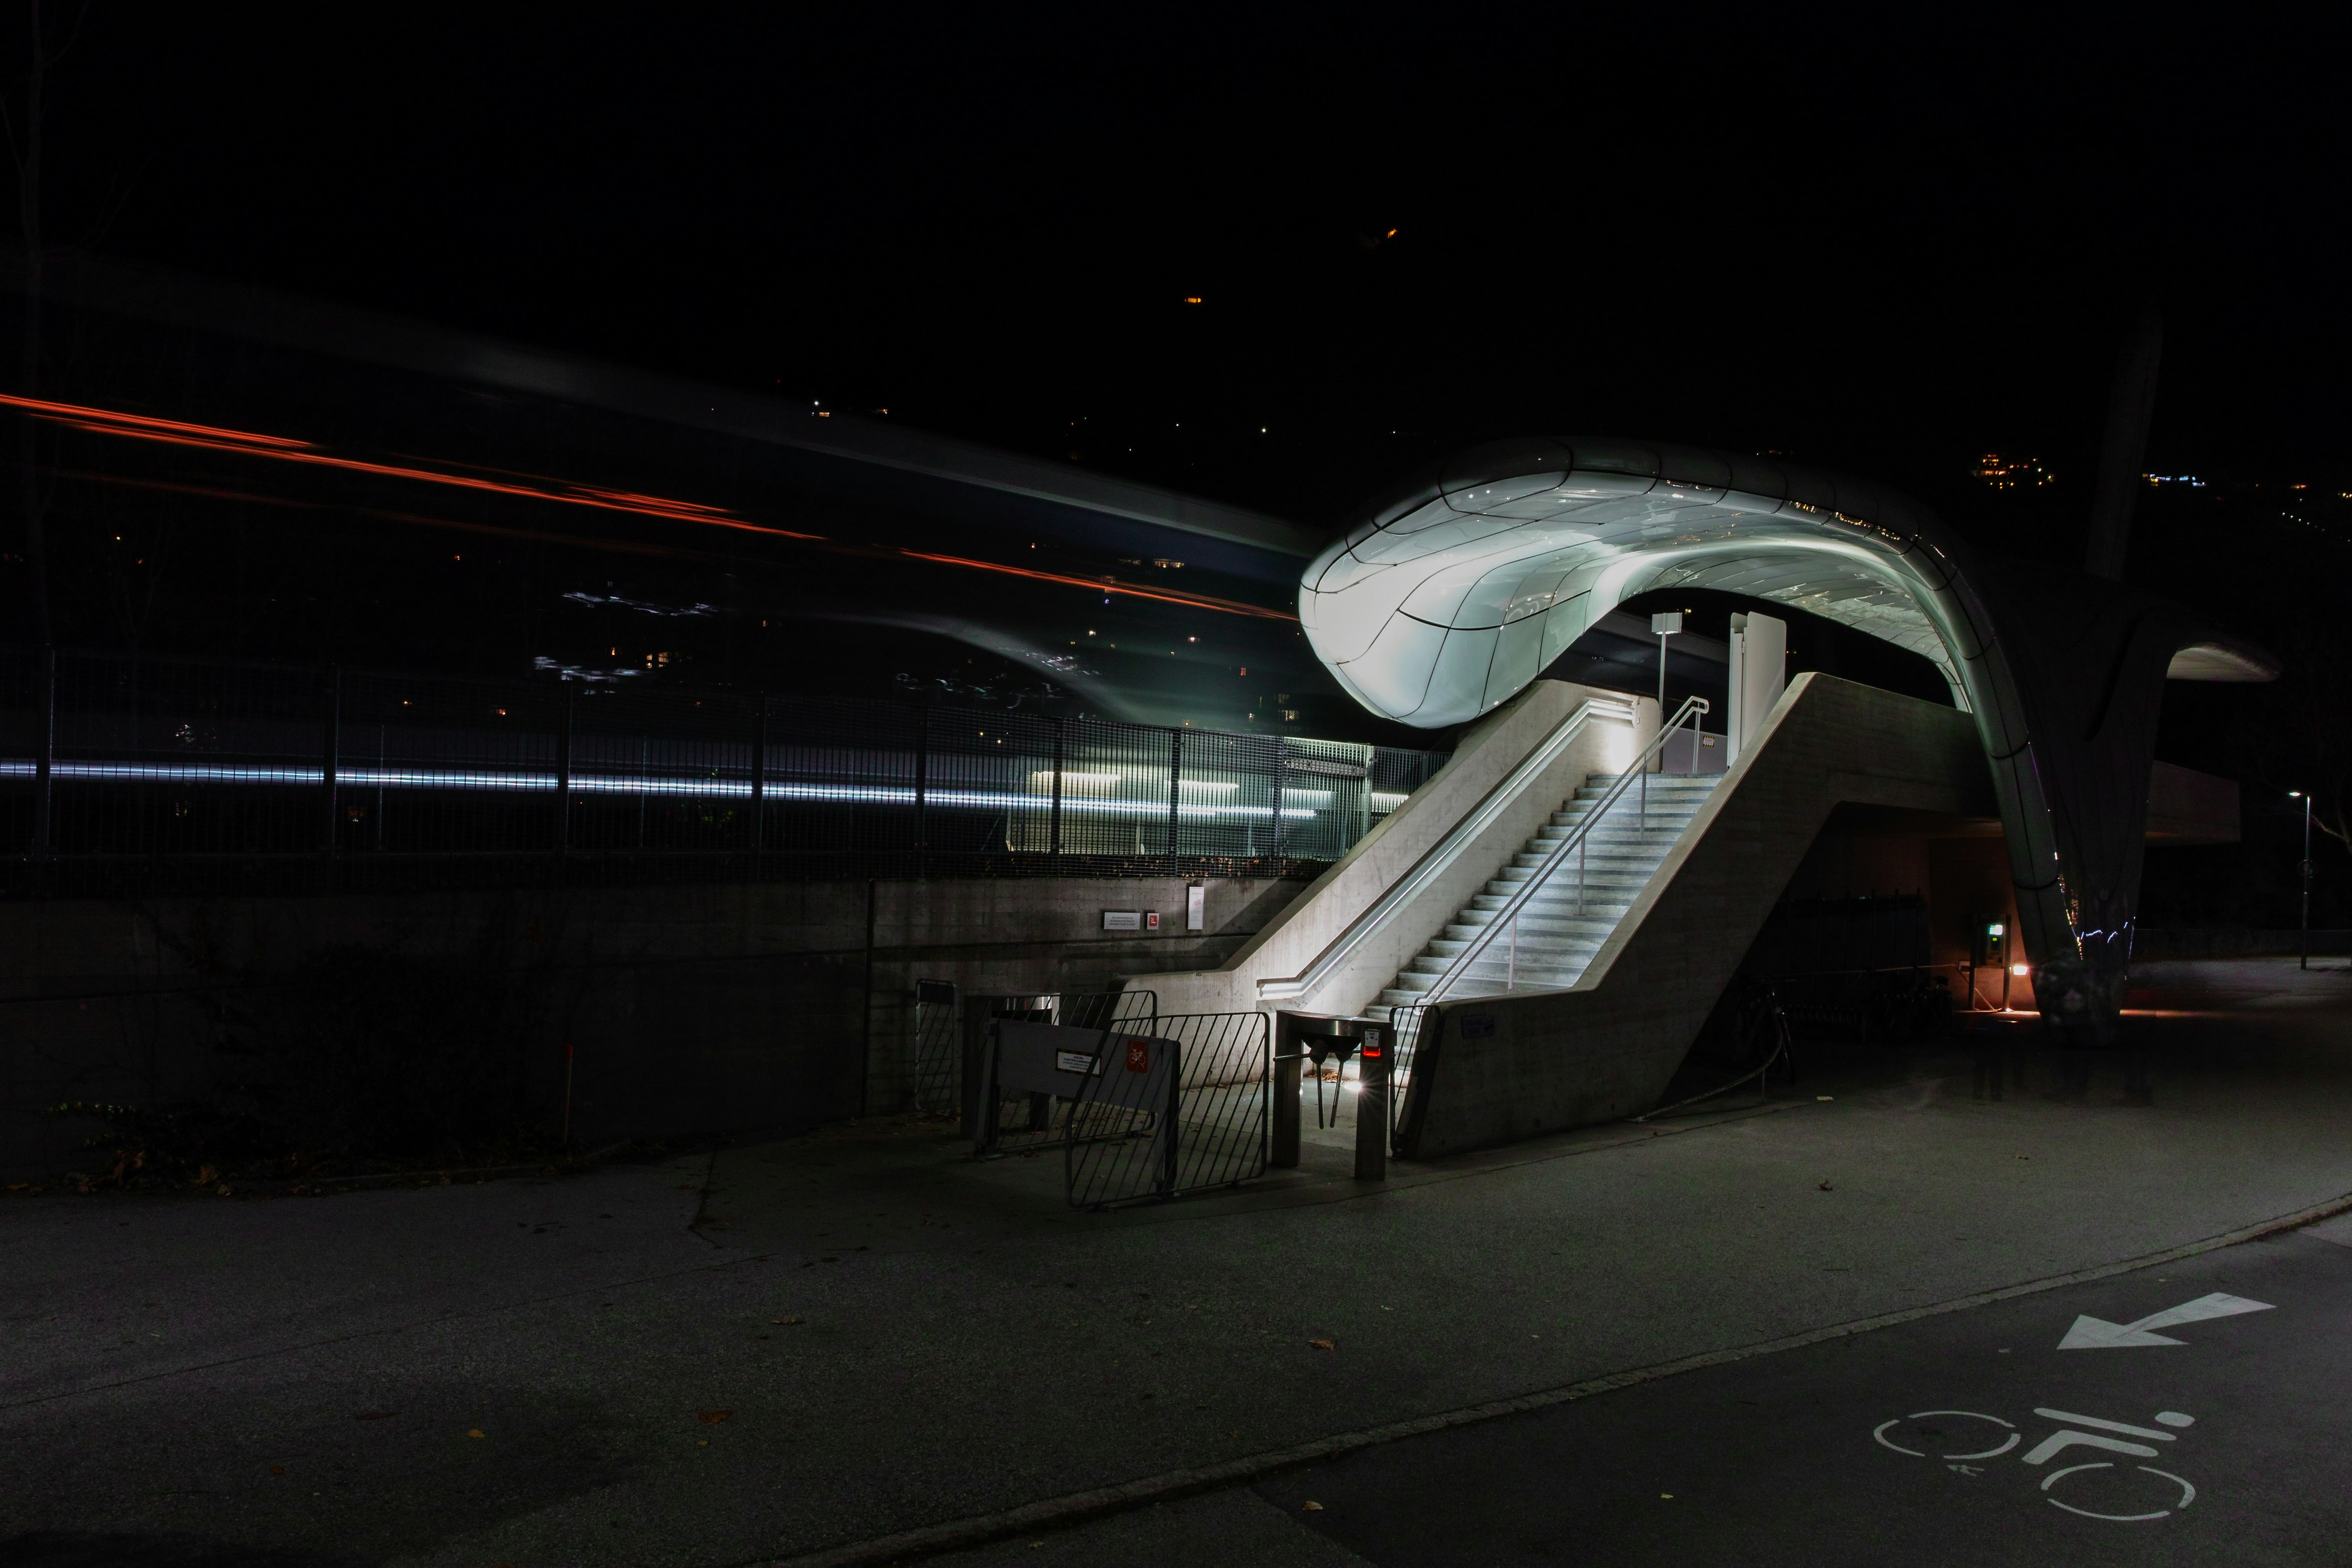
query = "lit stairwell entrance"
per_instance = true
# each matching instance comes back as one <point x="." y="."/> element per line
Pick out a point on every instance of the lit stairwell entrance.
<point x="1619" y="842"/>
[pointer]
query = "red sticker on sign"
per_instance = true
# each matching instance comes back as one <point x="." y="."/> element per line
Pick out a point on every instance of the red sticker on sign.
<point x="1139" y="1056"/>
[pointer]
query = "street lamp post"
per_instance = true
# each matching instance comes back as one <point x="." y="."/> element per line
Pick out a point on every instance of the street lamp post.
<point x="1664" y="624"/>
<point x="2298" y="794"/>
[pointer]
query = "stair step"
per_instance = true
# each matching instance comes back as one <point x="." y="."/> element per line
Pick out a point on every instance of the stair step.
<point x="1548" y="945"/>
<point x="1561" y="927"/>
<point x="1594" y="860"/>
<point x="1592" y="926"/>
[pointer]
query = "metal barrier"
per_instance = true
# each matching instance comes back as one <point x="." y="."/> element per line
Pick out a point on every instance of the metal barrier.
<point x="950" y="1032"/>
<point x="1011" y="1120"/>
<point x="936" y="1073"/>
<point x="1178" y="1108"/>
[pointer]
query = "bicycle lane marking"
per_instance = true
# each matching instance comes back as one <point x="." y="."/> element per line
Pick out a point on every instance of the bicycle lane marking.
<point x="1729" y="1460"/>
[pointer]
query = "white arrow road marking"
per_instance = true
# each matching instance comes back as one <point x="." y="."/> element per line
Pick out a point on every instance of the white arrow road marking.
<point x="2091" y="1333"/>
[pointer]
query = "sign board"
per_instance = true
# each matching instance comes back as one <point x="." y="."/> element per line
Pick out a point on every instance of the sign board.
<point x="1045" y="1059"/>
<point x="1196" y="907"/>
<point x="1122" y="919"/>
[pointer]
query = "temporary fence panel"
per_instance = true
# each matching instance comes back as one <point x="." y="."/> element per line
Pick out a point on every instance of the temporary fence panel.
<point x="936" y="1073"/>
<point x="1211" y="1074"/>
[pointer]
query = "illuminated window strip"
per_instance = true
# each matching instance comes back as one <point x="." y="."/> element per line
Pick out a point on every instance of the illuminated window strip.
<point x="602" y="784"/>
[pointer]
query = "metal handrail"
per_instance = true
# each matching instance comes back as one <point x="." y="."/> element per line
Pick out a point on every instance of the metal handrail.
<point x="1340" y="951"/>
<point x="1692" y="709"/>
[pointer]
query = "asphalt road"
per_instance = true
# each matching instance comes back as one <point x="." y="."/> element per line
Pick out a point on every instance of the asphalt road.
<point x="1928" y="1442"/>
<point x="812" y="1344"/>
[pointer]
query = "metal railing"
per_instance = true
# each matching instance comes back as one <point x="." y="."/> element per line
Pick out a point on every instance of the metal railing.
<point x="1577" y="842"/>
<point x="132" y="774"/>
<point x="1400" y="894"/>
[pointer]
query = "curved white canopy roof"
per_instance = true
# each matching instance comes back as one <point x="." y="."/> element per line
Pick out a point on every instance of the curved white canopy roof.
<point x="1450" y="601"/>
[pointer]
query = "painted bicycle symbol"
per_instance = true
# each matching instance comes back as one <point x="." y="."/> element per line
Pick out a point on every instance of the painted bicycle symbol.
<point x="1959" y="1440"/>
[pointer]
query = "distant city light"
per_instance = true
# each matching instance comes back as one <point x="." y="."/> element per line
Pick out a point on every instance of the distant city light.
<point x="2010" y="473"/>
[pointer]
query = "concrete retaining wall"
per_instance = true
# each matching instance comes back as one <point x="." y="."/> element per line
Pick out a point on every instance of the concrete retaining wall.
<point x="690" y="1009"/>
<point x="1500" y="1069"/>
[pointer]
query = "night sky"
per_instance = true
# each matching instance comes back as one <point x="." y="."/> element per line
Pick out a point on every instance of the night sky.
<point x="1886" y="252"/>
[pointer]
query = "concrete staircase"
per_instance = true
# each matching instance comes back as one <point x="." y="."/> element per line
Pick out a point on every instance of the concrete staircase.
<point x="1557" y="940"/>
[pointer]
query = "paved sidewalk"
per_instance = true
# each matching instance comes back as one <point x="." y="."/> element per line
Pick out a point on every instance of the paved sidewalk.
<point x="306" y="1374"/>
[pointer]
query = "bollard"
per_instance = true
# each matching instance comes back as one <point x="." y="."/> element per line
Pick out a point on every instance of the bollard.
<point x="1284" y="1150"/>
<point x="1372" y="1109"/>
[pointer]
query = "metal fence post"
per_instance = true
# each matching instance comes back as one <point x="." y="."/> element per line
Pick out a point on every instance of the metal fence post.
<point x="759" y="780"/>
<point x="45" y="759"/>
<point x="922" y="784"/>
<point x="1054" y="842"/>
<point x="1172" y="1124"/>
<point x="331" y="758"/>
<point x="1284" y="1144"/>
<point x="563" y="778"/>
<point x="1175" y="789"/>
<point x="1281" y="775"/>
<point x="1373" y="1106"/>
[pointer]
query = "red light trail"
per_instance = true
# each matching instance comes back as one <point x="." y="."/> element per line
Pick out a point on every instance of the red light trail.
<point x="1194" y="601"/>
<point x="206" y="438"/>
<point x="285" y="449"/>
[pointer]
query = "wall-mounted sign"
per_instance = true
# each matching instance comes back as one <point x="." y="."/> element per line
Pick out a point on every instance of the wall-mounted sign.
<point x="1122" y="919"/>
<point x="1196" y="907"/>
<point x="1328" y="769"/>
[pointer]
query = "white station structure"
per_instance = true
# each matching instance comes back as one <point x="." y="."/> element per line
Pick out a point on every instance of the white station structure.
<point x="1453" y="598"/>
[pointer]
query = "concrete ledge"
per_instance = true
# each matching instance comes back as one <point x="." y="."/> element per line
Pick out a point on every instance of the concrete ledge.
<point x="1496" y="1069"/>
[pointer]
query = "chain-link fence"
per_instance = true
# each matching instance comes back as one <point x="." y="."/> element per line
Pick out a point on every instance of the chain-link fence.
<point x="124" y="774"/>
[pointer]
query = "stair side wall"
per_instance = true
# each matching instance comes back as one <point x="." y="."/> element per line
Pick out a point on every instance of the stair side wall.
<point x="1493" y="1070"/>
<point x="1332" y="902"/>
